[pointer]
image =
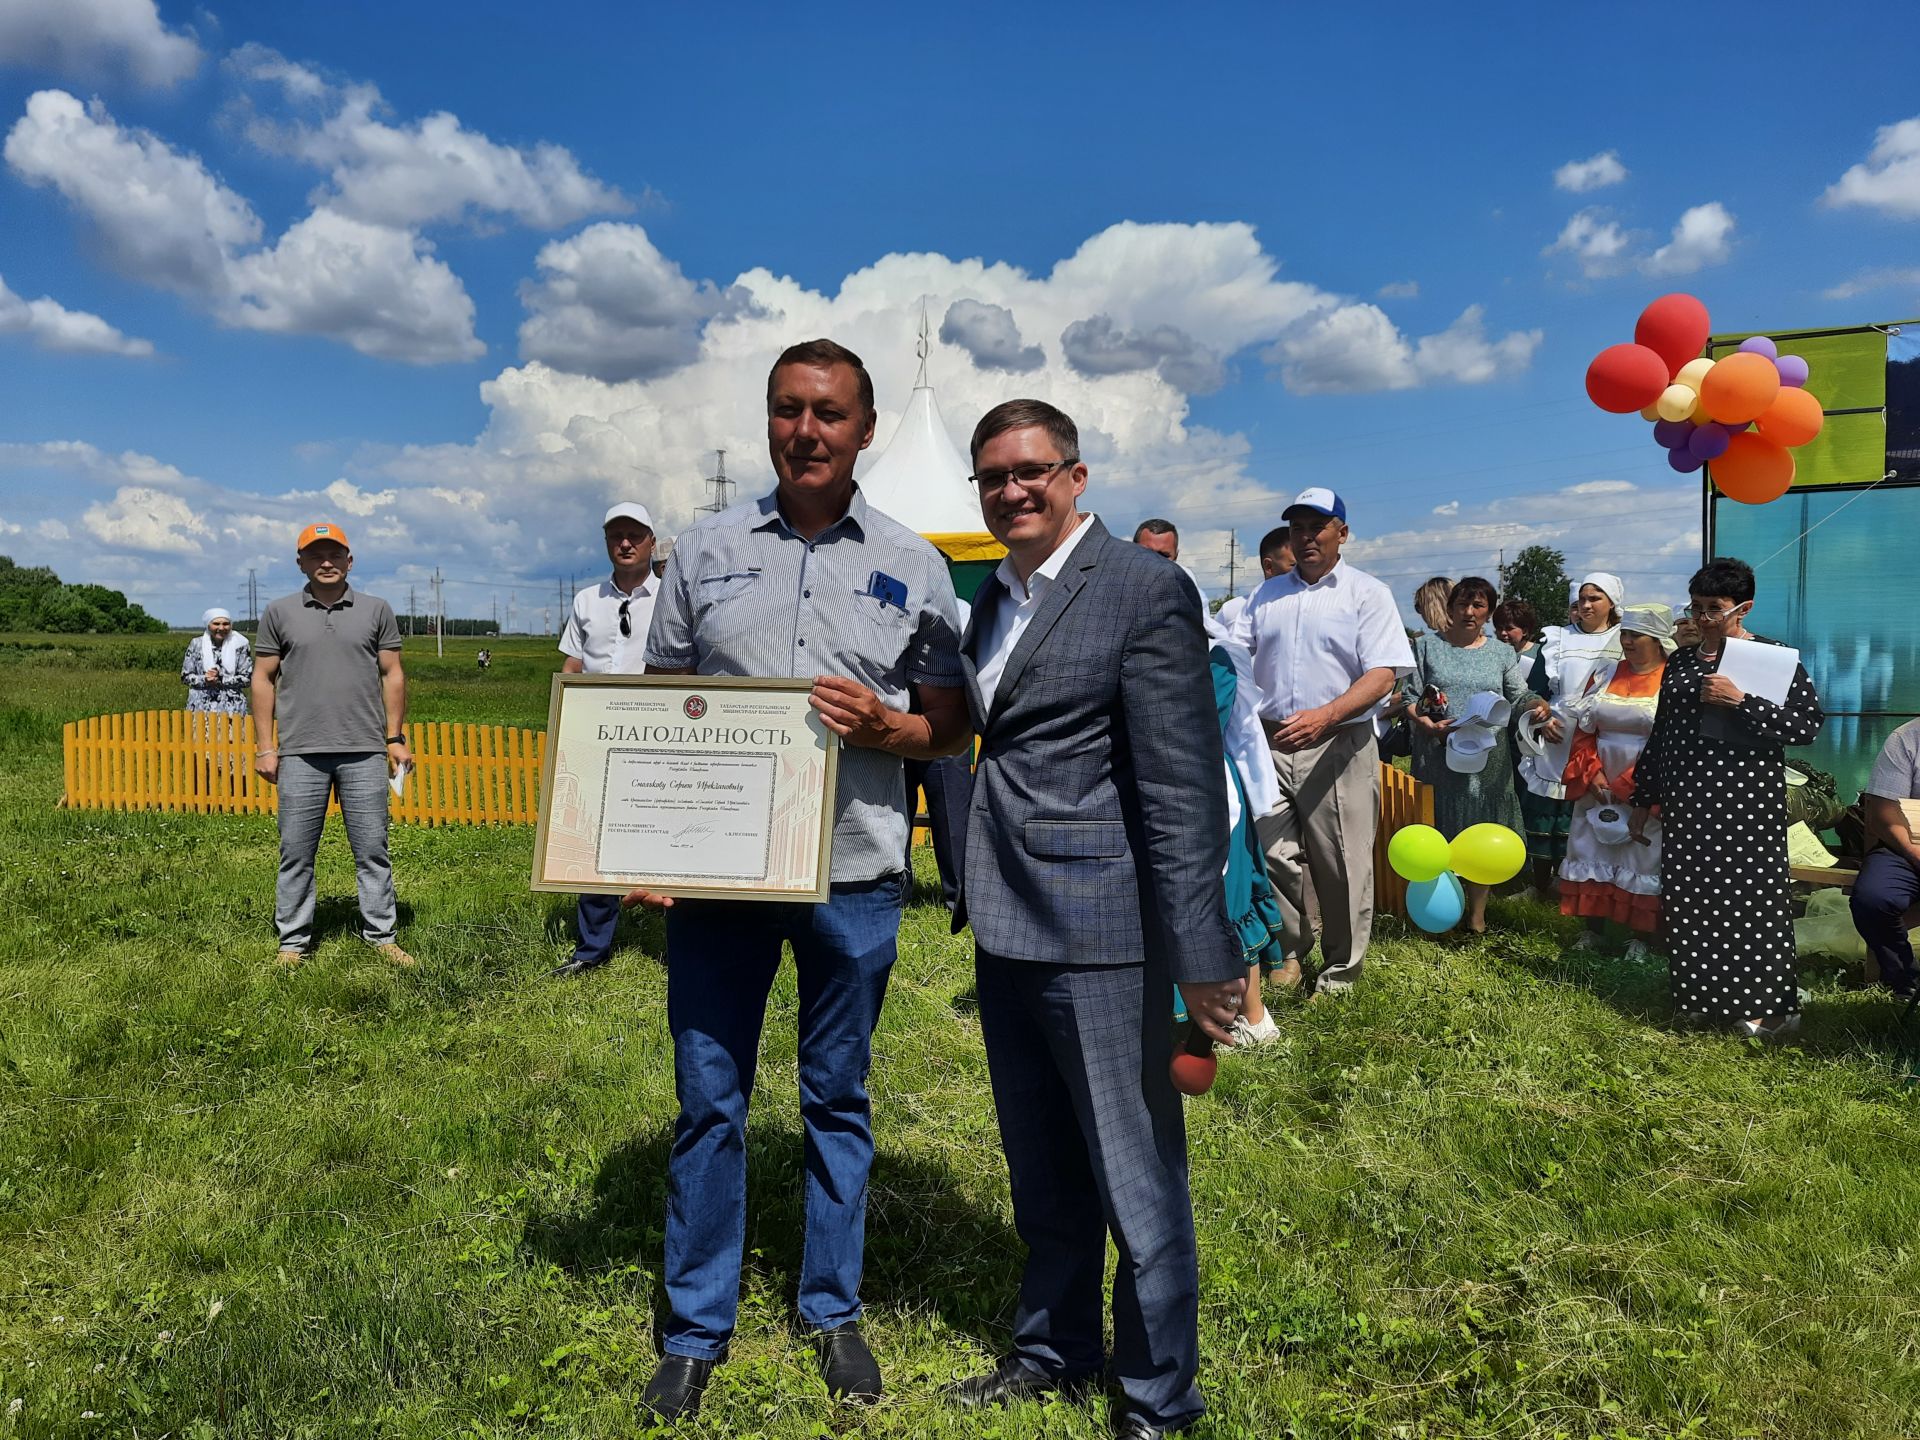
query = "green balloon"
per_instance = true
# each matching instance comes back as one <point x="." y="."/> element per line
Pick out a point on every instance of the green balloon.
<point x="1417" y="853"/>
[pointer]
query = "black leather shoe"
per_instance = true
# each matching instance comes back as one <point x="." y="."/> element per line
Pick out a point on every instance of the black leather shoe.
<point x="1008" y="1383"/>
<point x="676" y="1387"/>
<point x="847" y="1365"/>
<point x="579" y="965"/>
<point x="1134" y="1426"/>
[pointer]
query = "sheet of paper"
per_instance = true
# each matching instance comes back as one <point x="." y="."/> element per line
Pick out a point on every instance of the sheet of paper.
<point x="1764" y="670"/>
<point x="398" y="780"/>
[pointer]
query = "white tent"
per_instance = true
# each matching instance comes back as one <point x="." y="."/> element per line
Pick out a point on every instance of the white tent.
<point x="920" y="479"/>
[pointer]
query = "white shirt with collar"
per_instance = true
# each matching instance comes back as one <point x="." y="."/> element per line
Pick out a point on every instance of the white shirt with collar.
<point x="592" y="634"/>
<point x="1312" y="640"/>
<point x="1008" y="620"/>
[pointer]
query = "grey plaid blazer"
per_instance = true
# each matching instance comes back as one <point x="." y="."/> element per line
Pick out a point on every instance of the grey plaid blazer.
<point x="1098" y="828"/>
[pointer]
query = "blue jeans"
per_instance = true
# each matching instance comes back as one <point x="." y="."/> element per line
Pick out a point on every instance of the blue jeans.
<point x="1888" y="887"/>
<point x="360" y="780"/>
<point x="721" y="960"/>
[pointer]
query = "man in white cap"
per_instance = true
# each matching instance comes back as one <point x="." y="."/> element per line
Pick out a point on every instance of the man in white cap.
<point x="606" y="634"/>
<point x="218" y="666"/>
<point x="1328" y="647"/>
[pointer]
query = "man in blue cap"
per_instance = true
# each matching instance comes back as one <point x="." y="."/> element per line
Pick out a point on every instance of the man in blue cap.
<point x="1328" y="647"/>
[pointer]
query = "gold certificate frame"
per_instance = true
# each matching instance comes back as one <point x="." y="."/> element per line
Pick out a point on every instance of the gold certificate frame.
<point x="708" y="787"/>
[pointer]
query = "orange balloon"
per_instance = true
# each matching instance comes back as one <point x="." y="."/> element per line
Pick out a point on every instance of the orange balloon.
<point x="1793" y="418"/>
<point x="1739" y="388"/>
<point x="1754" y="469"/>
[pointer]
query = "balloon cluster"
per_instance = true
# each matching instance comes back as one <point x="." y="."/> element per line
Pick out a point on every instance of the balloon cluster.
<point x="1744" y="413"/>
<point x="1433" y="868"/>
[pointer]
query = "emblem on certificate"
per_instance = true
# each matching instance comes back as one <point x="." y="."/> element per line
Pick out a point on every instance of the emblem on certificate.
<point x="703" y="786"/>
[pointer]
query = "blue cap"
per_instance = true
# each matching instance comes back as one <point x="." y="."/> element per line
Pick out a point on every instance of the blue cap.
<point x="1321" y="499"/>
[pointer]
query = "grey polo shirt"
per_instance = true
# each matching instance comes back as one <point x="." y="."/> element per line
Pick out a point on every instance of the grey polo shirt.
<point x="745" y="594"/>
<point x="327" y="698"/>
<point x="1896" y="773"/>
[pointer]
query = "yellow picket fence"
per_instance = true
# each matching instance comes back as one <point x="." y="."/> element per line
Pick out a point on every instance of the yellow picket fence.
<point x="1403" y="801"/>
<point x="180" y="760"/>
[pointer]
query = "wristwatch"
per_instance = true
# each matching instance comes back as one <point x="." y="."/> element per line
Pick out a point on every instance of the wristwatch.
<point x="396" y="739"/>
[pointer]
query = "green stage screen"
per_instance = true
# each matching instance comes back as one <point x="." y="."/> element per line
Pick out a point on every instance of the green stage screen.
<point x="1839" y="579"/>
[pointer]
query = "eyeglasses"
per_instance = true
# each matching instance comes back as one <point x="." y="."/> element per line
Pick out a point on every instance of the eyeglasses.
<point x="626" y="625"/>
<point x="1715" y="613"/>
<point x="1027" y="477"/>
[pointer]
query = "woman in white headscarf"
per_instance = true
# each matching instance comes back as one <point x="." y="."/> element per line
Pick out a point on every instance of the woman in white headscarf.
<point x="1568" y="657"/>
<point x="1609" y="874"/>
<point x="218" y="666"/>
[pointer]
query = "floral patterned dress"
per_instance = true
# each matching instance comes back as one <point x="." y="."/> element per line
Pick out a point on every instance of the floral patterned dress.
<point x="1718" y="776"/>
<point x="234" y="660"/>
<point x="1460" y="671"/>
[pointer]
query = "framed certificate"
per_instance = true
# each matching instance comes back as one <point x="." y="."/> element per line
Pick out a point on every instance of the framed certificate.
<point x="704" y="786"/>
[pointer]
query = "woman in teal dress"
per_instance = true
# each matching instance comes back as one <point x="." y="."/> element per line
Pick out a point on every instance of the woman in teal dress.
<point x="1449" y="669"/>
<point x="1251" y="905"/>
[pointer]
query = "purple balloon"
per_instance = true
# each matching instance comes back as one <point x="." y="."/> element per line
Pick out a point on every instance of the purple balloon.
<point x="1793" y="370"/>
<point x="1736" y="429"/>
<point x="1685" y="461"/>
<point x="1760" y="345"/>
<point x="1709" y="442"/>
<point x="1671" y="434"/>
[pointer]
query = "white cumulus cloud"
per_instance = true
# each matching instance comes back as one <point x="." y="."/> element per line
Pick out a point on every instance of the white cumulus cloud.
<point x="1888" y="180"/>
<point x="160" y="216"/>
<point x="1868" y="281"/>
<point x="416" y="172"/>
<point x="610" y="305"/>
<point x="137" y="518"/>
<point x="1596" y="172"/>
<point x="91" y="38"/>
<point x="991" y="335"/>
<point x="1703" y="237"/>
<point x="1598" y="243"/>
<point x="52" y="326"/>
<point x="1399" y="290"/>
<point x="1357" y="348"/>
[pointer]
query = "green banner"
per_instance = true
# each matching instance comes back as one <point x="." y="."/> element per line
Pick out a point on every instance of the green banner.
<point x="1845" y="371"/>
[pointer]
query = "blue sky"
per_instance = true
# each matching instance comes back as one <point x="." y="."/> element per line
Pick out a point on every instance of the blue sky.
<point x="459" y="276"/>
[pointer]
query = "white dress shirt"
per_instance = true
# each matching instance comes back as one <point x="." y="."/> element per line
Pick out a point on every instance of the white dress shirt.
<point x="1009" y="618"/>
<point x="1230" y="610"/>
<point x="1312" y="641"/>
<point x="592" y="633"/>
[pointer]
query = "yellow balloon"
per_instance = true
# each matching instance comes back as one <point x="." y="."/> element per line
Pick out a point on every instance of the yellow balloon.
<point x="1487" y="854"/>
<point x="1652" y="412"/>
<point x="1693" y="372"/>
<point x="1676" y="402"/>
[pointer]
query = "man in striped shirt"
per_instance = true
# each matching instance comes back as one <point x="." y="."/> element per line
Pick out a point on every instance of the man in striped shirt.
<point x="1328" y="647"/>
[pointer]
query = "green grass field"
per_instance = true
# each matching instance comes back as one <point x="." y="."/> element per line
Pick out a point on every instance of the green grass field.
<point x="1489" y="1194"/>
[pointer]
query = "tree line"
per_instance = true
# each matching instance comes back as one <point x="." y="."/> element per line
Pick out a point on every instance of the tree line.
<point x="34" y="598"/>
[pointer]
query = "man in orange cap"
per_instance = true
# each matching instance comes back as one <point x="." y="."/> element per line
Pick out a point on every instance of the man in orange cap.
<point x="327" y="673"/>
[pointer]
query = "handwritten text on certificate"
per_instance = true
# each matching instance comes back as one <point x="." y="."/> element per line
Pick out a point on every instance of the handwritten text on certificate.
<point x="687" y="815"/>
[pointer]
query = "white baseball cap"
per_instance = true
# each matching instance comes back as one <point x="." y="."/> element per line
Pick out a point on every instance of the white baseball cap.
<point x="628" y="510"/>
<point x="1321" y="499"/>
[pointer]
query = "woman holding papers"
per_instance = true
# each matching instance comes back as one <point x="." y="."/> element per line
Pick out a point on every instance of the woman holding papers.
<point x="1465" y="686"/>
<point x="1609" y="874"/>
<point x="1715" y="771"/>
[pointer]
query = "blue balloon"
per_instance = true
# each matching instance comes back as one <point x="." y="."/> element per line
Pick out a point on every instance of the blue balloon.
<point x="1436" y="905"/>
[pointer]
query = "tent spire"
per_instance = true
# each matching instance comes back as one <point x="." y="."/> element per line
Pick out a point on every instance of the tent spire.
<point x="920" y="380"/>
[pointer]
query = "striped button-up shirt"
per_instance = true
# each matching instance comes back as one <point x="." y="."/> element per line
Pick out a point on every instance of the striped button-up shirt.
<point x="746" y="594"/>
<point x="1312" y="640"/>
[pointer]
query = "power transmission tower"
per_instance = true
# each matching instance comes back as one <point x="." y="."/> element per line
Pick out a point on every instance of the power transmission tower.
<point x="1233" y="557"/>
<point x="561" y="586"/>
<point x="513" y="598"/>
<point x="719" y="487"/>
<point x="496" y="614"/>
<point x="413" y="606"/>
<point x="440" y="614"/>
<point x="253" y="598"/>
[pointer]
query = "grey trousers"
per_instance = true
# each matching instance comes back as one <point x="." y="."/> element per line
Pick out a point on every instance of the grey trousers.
<point x="306" y="781"/>
<point x="1324" y="829"/>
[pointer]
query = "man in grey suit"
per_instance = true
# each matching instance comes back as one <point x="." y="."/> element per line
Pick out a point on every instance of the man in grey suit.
<point x="1095" y="843"/>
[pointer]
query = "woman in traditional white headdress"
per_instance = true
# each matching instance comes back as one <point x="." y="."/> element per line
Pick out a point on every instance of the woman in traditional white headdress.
<point x="1608" y="874"/>
<point x="1567" y="659"/>
<point x="218" y="666"/>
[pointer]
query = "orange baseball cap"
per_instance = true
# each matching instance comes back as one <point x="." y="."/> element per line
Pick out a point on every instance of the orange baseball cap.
<point x="322" y="530"/>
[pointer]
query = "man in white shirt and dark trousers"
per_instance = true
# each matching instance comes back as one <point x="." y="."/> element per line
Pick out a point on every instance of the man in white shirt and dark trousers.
<point x="1328" y="647"/>
<point x="606" y="634"/>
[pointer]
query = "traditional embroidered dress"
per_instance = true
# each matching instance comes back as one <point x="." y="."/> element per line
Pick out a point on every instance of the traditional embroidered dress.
<point x="1600" y="878"/>
<point x="234" y="659"/>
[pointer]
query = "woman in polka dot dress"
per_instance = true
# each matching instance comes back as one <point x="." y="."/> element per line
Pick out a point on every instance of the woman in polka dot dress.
<point x="1714" y="768"/>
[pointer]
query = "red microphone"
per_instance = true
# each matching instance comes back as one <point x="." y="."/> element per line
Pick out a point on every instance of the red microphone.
<point x="1194" y="1067"/>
